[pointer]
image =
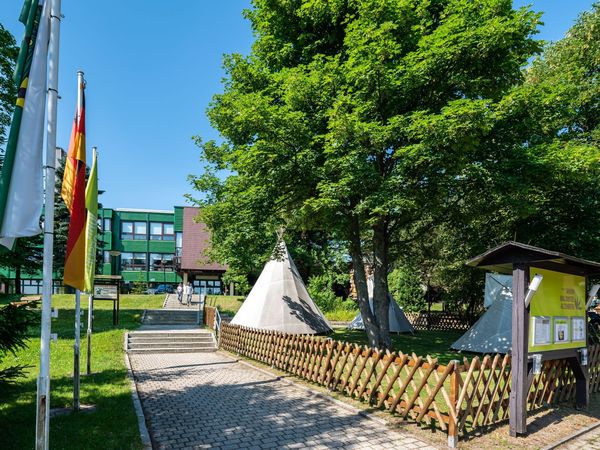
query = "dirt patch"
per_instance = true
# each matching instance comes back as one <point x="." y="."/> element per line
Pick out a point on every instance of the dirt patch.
<point x="544" y="428"/>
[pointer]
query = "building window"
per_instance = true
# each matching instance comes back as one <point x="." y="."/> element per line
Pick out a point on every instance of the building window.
<point x="161" y="262"/>
<point x="134" y="231"/>
<point x="133" y="261"/>
<point x="178" y="243"/>
<point x="106" y="257"/>
<point x="161" y="231"/>
<point x="31" y="287"/>
<point x="106" y="225"/>
<point x="207" y="287"/>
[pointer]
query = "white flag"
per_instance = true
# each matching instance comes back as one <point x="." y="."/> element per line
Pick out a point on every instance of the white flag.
<point x="25" y="195"/>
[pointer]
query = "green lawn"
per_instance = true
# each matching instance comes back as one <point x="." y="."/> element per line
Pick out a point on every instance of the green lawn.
<point x="113" y="425"/>
<point x="227" y="304"/>
<point x="433" y="343"/>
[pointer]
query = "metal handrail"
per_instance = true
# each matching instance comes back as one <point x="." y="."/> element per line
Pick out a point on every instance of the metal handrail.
<point x="202" y="298"/>
<point x="217" y="324"/>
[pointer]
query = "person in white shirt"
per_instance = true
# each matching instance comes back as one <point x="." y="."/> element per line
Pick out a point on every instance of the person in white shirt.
<point x="188" y="293"/>
<point x="180" y="293"/>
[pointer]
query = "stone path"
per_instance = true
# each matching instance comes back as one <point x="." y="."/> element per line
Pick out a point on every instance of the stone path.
<point x="589" y="440"/>
<point x="210" y="401"/>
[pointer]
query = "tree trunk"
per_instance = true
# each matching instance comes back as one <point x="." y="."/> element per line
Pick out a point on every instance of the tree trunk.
<point x="18" y="279"/>
<point x="381" y="300"/>
<point x="360" y="282"/>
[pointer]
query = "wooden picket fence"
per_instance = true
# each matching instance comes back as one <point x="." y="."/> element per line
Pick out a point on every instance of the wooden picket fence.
<point x="455" y="398"/>
<point x="438" y="321"/>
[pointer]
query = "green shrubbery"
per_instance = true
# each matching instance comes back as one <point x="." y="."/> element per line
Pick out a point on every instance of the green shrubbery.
<point x="405" y="286"/>
<point x="321" y="289"/>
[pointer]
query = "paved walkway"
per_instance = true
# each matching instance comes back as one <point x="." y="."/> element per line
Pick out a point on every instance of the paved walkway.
<point x="589" y="440"/>
<point x="207" y="400"/>
<point x="171" y="302"/>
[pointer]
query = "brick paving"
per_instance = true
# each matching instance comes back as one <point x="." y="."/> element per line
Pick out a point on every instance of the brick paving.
<point x="206" y="400"/>
<point x="590" y="440"/>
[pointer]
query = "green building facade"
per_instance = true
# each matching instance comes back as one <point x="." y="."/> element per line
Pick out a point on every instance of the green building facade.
<point x="145" y="246"/>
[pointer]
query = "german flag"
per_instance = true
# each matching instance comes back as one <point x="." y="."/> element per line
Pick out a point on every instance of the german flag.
<point x="73" y="193"/>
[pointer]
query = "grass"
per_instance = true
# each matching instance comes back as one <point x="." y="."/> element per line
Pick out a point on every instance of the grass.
<point x="227" y="304"/>
<point x="422" y="343"/>
<point x="341" y="314"/>
<point x="113" y="425"/>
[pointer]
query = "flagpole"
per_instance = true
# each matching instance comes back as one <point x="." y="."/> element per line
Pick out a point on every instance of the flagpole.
<point x="89" y="332"/>
<point x="43" y="384"/>
<point x="76" y="346"/>
<point x="91" y="252"/>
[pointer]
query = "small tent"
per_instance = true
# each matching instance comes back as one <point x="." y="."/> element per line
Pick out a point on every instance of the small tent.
<point x="279" y="300"/>
<point x="398" y="321"/>
<point x="492" y="333"/>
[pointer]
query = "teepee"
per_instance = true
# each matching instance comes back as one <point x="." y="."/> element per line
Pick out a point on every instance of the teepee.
<point x="492" y="333"/>
<point x="398" y="321"/>
<point x="279" y="300"/>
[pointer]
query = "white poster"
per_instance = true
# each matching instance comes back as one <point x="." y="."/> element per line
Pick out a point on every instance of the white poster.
<point x="541" y="330"/>
<point x="561" y="330"/>
<point x="578" y="327"/>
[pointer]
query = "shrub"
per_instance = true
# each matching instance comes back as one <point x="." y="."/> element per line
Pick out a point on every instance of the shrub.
<point x="405" y="286"/>
<point x="321" y="289"/>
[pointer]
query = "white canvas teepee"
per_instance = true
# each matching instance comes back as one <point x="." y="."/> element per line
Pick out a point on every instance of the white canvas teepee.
<point x="398" y="321"/>
<point x="492" y="333"/>
<point x="279" y="300"/>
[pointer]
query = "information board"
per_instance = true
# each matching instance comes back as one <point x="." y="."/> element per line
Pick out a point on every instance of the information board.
<point x="557" y="312"/>
<point x="106" y="292"/>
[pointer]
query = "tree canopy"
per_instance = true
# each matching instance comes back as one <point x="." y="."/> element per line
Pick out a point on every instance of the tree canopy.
<point x="8" y="89"/>
<point x="360" y="119"/>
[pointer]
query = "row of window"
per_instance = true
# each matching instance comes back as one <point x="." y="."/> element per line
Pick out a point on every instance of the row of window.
<point x="138" y="231"/>
<point x="29" y="287"/>
<point x="145" y="261"/>
<point x="207" y="286"/>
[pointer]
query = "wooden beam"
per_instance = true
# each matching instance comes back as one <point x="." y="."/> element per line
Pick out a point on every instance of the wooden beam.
<point x="519" y="363"/>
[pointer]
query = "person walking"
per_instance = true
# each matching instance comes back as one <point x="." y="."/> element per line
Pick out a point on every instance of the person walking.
<point x="188" y="293"/>
<point x="180" y="293"/>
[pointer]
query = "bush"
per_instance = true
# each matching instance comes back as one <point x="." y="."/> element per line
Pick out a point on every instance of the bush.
<point x="240" y="281"/>
<point x="321" y="289"/>
<point x="405" y="286"/>
<point x="139" y="286"/>
<point x="14" y="324"/>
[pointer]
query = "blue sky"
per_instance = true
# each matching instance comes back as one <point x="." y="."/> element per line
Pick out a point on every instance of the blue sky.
<point x="152" y="67"/>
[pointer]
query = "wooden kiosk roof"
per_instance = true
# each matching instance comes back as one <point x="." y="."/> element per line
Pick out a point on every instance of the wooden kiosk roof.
<point x="501" y="259"/>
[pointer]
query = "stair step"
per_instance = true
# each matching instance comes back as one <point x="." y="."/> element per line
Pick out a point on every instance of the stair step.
<point x="171" y="340"/>
<point x="198" y="345"/>
<point x="173" y="350"/>
<point x="153" y="334"/>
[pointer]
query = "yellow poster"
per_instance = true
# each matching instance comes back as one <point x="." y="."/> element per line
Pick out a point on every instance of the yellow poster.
<point x="557" y="312"/>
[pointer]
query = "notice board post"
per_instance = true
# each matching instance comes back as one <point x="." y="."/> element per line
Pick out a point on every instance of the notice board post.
<point x="107" y="287"/>
<point x="549" y="317"/>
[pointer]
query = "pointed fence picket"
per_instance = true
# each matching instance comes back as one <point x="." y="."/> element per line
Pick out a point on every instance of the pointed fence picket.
<point x="455" y="398"/>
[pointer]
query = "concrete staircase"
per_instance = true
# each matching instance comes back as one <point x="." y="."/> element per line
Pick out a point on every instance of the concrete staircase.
<point x="171" y="302"/>
<point x="175" y="328"/>
<point x="171" y="341"/>
<point x="172" y="317"/>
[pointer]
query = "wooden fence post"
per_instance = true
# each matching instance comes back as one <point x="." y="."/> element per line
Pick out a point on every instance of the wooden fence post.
<point x="454" y="392"/>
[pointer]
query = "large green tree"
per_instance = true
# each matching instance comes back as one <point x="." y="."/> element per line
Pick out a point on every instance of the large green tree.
<point x="8" y="91"/>
<point x="357" y="118"/>
<point x="546" y="187"/>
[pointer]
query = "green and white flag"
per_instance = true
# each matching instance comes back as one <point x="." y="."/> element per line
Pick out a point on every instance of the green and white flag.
<point x="21" y="189"/>
<point x="91" y="226"/>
